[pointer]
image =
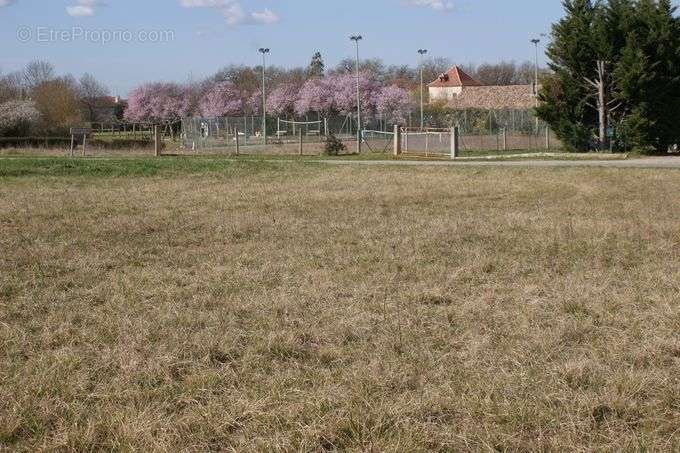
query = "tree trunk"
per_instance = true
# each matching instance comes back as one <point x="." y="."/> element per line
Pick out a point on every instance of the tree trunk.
<point x="602" y="105"/>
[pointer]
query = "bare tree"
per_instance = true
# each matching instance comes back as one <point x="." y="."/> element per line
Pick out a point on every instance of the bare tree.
<point x="37" y="72"/>
<point x="91" y="94"/>
<point x="503" y="73"/>
<point x="601" y="90"/>
<point x="526" y="73"/>
<point x="506" y="73"/>
<point x="11" y="87"/>
<point x="348" y="65"/>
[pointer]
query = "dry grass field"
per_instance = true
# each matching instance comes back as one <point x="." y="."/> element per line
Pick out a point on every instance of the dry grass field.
<point x="272" y="306"/>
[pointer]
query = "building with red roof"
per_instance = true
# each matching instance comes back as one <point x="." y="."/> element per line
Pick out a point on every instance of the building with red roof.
<point x="450" y="84"/>
<point x="461" y="92"/>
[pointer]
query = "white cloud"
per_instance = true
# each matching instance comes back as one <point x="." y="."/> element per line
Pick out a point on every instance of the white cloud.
<point x="234" y="14"/>
<point x="6" y="2"/>
<point x="233" y="11"/>
<point x="266" y="16"/>
<point x="84" y="8"/>
<point x="203" y="3"/>
<point x="437" y="5"/>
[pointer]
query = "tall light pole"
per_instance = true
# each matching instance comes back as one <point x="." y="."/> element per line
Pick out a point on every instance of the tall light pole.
<point x="536" y="41"/>
<point x="422" y="53"/>
<point x="264" y="51"/>
<point x="356" y="39"/>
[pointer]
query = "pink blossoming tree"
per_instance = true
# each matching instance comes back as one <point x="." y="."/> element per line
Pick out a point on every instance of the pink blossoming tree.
<point x="161" y="103"/>
<point x="394" y="104"/>
<point x="316" y="95"/>
<point x="344" y="88"/>
<point x="222" y="99"/>
<point x="281" y="101"/>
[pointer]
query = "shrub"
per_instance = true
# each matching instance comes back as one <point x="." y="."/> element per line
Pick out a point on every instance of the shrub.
<point x="333" y="145"/>
<point x="17" y="118"/>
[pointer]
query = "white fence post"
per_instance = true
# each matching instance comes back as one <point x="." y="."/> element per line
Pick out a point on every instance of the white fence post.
<point x="455" y="133"/>
<point x="397" y="140"/>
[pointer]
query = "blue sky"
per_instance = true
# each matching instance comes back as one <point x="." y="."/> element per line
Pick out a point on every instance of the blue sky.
<point x="204" y="35"/>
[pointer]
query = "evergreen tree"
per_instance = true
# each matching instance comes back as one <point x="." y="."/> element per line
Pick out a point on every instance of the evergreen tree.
<point x="648" y="76"/>
<point x="573" y="55"/>
<point x="638" y="42"/>
<point x="316" y="67"/>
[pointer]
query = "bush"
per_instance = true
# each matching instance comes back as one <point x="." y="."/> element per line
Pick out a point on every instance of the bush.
<point x="17" y="118"/>
<point x="333" y="145"/>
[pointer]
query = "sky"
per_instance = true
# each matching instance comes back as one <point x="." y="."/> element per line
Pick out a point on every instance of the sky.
<point x="127" y="42"/>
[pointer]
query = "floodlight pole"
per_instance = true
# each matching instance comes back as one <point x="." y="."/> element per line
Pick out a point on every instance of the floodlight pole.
<point x="422" y="52"/>
<point x="264" y="52"/>
<point x="356" y="39"/>
<point x="536" y="41"/>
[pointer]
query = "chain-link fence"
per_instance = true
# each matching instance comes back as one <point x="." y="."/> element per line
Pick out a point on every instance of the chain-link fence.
<point x="433" y="142"/>
<point x="480" y="130"/>
<point x="221" y="134"/>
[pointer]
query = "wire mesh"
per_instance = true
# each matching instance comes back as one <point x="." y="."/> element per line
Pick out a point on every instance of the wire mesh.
<point x="378" y="141"/>
<point x="480" y="130"/>
<point x="428" y="142"/>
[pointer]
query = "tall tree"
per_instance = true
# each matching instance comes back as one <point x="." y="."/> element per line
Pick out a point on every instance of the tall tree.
<point x="91" y="94"/>
<point x="37" y="72"/>
<point x="648" y="74"/>
<point x="316" y="66"/>
<point x="11" y="87"/>
<point x="57" y="102"/>
<point x="222" y="99"/>
<point x="573" y="54"/>
<point x="628" y="54"/>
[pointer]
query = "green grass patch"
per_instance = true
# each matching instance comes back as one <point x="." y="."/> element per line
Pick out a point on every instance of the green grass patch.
<point x="119" y="167"/>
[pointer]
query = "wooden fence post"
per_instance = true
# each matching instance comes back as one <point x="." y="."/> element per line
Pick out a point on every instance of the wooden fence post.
<point x="397" y="140"/>
<point x="237" y="141"/>
<point x="300" y="140"/>
<point x="156" y="141"/>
